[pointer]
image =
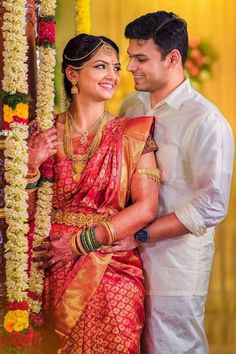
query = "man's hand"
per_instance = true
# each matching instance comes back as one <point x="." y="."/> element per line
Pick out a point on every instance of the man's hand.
<point x="121" y="245"/>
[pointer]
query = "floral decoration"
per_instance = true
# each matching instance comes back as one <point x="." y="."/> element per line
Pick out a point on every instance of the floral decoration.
<point x="24" y="291"/>
<point x="15" y="108"/>
<point x="199" y="61"/>
<point x="45" y="118"/>
<point x="82" y="19"/>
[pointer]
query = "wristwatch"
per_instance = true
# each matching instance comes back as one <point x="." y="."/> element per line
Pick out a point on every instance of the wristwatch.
<point x="142" y="236"/>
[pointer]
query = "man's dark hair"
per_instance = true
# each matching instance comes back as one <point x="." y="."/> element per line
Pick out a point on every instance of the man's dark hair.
<point x="167" y="30"/>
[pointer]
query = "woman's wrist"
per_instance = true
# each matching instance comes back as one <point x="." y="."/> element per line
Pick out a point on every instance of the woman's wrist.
<point x="101" y="236"/>
<point x="33" y="169"/>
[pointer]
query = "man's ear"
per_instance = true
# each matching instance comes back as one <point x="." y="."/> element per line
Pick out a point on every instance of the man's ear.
<point x="174" y="58"/>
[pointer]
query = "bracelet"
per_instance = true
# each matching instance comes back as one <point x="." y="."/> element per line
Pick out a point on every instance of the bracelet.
<point x="79" y="244"/>
<point x="74" y="245"/>
<point x="31" y="186"/>
<point x="31" y="190"/>
<point x="32" y="174"/>
<point x="88" y="240"/>
<point x="110" y="231"/>
<point x="33" y="179"/>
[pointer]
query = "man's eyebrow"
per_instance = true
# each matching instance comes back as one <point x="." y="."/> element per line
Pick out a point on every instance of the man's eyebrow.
<point x="137" y="55"/>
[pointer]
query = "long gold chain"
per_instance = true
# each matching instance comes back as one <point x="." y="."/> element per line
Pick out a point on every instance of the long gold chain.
<point x="80" y="161"/>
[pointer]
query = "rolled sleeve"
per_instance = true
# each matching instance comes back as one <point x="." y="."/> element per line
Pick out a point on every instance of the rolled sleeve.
<point x="211" y="157"/>
<point x="191" y="219"/>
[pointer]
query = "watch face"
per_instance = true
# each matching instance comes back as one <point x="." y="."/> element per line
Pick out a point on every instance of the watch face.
<point x="141" y="235"/>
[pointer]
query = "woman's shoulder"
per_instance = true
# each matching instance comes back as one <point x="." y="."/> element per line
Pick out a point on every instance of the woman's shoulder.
<point x="139" y="127"/>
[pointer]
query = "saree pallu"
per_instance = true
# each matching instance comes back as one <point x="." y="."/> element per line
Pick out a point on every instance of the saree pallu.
<point x="95" y="304"/>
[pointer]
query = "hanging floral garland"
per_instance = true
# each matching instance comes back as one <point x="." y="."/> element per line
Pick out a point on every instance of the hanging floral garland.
<point x="82" y="18"/>
<point x="15" y="108"/>
<point x="45" y="117"/>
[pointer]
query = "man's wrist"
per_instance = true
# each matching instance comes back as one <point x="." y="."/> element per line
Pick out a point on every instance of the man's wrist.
<point x="142" y="236"/>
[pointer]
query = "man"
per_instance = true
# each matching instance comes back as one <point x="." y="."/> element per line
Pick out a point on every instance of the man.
<point x="195" y="158"/>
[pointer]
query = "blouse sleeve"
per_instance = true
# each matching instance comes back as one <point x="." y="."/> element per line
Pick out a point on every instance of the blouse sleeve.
<point x="150" y="144"/>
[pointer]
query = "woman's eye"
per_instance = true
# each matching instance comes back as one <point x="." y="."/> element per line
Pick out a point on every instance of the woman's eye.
<point x="117" y="68"/>
<point x="100" y="66"/>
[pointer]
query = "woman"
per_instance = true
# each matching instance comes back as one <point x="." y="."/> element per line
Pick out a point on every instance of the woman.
<point x="94" y="300"/>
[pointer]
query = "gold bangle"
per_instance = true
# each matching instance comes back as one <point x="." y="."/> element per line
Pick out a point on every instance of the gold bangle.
<point x="32" y="190"/>
<point x="32" y="174"/>
<point x="33" y="179"/>
<point x="110" y="232"/>
<point x="74" y="245"/>
<point x="79" y="245"/>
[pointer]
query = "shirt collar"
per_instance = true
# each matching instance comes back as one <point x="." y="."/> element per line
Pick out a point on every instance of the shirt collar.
<point x="175" y="99"/>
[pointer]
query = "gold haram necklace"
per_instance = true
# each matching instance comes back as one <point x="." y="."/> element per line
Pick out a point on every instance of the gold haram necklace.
<point x="80" y="161"/>
<point x="84" y="133"/>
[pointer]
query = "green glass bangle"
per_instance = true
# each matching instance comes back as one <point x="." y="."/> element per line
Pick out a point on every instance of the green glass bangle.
<point x="94" y="241"/>
<point x="88" y="240"/>
<point x="31" y="185"/>
<point x="83" y="241"/>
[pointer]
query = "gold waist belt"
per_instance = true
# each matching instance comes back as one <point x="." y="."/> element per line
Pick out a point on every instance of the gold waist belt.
<point x="77" y="219"/>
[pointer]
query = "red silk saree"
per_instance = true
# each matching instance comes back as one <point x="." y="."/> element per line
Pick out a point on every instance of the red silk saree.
<point x="95" y="305"/>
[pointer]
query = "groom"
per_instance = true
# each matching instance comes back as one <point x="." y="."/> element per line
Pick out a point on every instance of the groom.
<point x="195" y="158"/>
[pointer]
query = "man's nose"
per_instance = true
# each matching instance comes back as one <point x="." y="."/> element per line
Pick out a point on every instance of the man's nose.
<point x="131" y="66"/>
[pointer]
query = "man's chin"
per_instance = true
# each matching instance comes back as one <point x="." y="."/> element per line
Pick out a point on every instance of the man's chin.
<point x="140" y="88"/>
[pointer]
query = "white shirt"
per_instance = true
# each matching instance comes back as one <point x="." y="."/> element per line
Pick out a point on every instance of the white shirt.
<point x="195" y="157"/>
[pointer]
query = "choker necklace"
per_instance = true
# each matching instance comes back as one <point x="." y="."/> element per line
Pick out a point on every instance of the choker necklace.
<point x="84" y="133"/>
<point x="80" y="161"/>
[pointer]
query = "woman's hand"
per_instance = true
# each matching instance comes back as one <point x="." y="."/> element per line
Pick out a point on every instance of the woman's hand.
<point x="56" y="253"/>
<point x="41" y="146"/>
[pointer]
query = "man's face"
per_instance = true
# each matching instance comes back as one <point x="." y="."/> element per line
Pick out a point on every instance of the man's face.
<point x="149" y="69"/>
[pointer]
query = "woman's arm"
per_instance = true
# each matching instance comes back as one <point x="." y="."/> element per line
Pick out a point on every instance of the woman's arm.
<point x="144" y="194"/>
<point x="41" y="146"/>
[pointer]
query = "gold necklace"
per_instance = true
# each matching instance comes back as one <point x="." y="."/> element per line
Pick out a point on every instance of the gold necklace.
<point x="80" y="161"/>
<point x="84" y="133"/>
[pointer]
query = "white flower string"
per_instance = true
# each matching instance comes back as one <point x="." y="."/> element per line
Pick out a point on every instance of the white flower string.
<point x="45" y="117"/>
<point x="15" y="107"/>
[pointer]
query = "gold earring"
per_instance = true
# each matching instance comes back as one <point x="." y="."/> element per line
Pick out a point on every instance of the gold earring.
<point x="74" y="89"/>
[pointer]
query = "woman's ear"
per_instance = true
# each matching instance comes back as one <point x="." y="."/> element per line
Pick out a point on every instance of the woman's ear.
<point x="71" y="74"/>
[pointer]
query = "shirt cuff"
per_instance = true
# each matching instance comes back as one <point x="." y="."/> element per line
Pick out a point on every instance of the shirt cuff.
<point x="191" y="219"/>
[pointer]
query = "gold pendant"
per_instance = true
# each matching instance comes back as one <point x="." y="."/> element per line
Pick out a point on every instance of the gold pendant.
<point x="78" y="167"/>
<point x="84" y="138"/>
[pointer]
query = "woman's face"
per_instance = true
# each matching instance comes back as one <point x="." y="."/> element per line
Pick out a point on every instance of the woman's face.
<point x="99" y="78"/>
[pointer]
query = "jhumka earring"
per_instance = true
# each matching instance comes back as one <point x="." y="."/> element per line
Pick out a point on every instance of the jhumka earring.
<point x="74" y="89"/>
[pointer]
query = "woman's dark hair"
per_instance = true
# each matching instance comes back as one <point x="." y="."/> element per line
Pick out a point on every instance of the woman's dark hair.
<point x="167" y="30"/>
<point x="82" y="46"/>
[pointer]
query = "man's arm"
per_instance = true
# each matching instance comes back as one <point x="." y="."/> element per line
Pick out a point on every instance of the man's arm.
<point x="211" y="158"/>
